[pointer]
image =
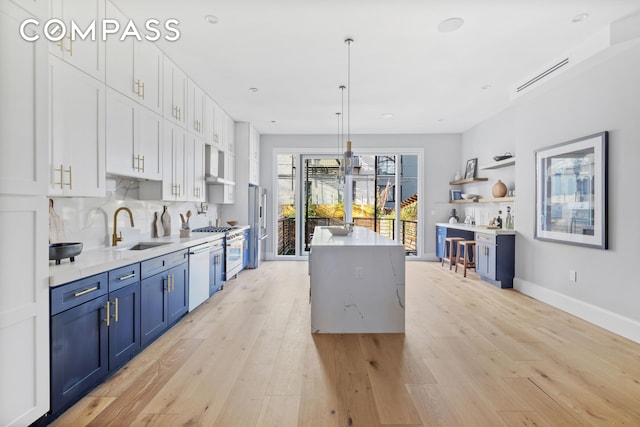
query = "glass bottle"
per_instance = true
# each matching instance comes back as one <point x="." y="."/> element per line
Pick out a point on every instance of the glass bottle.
<point x="508" y="222"/>
<point x="499" y="220"/>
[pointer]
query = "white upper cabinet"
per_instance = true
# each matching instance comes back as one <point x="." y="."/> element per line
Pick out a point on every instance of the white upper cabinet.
<point x="174" y="184"/>
<point x="134" y="139"/>
<point x="38" y="8"/>
<point x="88" y="54"/>
<point x="196" y="108"/>
<point x="194" y="167"/>
<point x="254" y="156"/>
<point x="77" y="138"/>
<point x="210" y="135"/>
<point x="174" y="93"/>
<point x="228" y="134"/>
<point x="23" y="107"/>
<point x="134" y="67"/>
<point x="218" y="126"/>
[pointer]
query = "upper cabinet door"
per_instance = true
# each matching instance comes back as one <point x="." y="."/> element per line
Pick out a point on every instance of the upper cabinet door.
<point x="147" y="78"/>
<point x="77" y="139"/>
<point x="23" y="107"/>
<point x="229" y="134"/>
<point x="175" y="93"/>
<point x="121" y="138"/>
<point x="209" y="115"/>
<point x="134" y="68"/>
<point x="88" y="54"/>
<point x="196" y="99"/>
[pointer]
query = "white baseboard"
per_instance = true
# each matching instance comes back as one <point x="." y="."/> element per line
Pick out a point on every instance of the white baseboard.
<point x="606" y="319"/>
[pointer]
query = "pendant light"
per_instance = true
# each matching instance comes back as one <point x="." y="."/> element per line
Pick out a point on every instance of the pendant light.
<point x="348" y="154"/>
<point x="341" y="137"/>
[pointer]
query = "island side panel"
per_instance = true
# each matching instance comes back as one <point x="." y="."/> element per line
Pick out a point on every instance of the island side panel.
<point x="358" y="289"/>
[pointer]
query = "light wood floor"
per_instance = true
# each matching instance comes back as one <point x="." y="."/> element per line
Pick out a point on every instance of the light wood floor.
<point x="472" y="355"/>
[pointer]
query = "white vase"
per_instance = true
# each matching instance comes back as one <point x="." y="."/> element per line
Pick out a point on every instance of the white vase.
<point x="458" y="176"/>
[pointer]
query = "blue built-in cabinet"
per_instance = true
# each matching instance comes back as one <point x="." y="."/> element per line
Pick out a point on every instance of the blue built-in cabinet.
<point x="100" y="322"/>
<point x="443" y="232"/>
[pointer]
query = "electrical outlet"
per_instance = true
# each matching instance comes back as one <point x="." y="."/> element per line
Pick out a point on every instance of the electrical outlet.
<point x="359" y="272"/>
<point x="573" y="276"/>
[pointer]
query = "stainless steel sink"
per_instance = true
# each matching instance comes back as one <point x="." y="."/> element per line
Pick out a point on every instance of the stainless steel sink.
<point x="142" y="246"/>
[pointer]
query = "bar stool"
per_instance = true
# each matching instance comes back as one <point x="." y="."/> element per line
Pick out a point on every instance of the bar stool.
<point x="466" y="250"/>
<point x="450" y="243"/>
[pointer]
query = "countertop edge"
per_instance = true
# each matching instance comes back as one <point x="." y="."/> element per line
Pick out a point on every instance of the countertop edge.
<point x="101" y="260"/>
<point x="477" y="229"/>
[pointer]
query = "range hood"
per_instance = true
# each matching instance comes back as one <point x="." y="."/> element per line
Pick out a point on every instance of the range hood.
<point x="214" y="166"/>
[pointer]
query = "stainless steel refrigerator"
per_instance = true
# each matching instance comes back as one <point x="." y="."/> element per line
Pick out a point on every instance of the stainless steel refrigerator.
<point x="258" y="223"/>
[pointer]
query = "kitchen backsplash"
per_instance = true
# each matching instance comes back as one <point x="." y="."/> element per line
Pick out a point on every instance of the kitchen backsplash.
<point x="90" y="220"/>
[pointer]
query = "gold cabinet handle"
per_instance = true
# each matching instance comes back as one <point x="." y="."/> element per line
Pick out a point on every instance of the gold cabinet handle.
<point x="128" y="276"/>
<point x="140" y="89"/>
<point x="141" y="158"/>
<point x="179" y="113"/>
<point x="108" y="308"/>
<point x="86" y="291"/>
<point x="70" y="177"/>
<point x="60" y="170"/>
<point x="70" y="50"/>
<point x="115" y="303"/>
<point x="168" y="288"/>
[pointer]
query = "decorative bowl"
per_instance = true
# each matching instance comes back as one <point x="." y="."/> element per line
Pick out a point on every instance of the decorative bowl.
<point x="232" y="223"/>
<point x="58" y="251"/>
<point x="338" y="230"/>
<point x="468" y="196"/>
<point x="503" y="157"/>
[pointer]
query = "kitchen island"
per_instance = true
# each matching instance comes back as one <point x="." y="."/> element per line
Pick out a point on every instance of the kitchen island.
<point x="357" y="283"/>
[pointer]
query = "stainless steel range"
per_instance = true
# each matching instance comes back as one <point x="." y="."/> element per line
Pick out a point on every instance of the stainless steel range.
<point x="234" y="238"/>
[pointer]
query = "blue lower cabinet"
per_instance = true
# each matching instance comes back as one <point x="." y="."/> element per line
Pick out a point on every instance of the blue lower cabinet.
<point x="79" y="352"/>
<point x="164" y="299"/>
<point x="178" y="296"/>
<point x="124" y="327"/>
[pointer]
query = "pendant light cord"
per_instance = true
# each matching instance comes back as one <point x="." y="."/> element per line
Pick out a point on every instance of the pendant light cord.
<point x="349" y="41"/>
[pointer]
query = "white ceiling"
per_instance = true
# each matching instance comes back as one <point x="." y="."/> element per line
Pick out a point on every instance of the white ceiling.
<point x="293" y="51"/>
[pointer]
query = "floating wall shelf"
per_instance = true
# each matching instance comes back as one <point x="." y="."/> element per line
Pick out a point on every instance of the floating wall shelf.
<point x="467" y="181"/>
<point x="501" y="164"/>
<point x="488" y="200"/>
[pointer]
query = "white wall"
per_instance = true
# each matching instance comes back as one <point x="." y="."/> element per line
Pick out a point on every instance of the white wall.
<point x="601" y="95"/>
<point x="441" y="158"/>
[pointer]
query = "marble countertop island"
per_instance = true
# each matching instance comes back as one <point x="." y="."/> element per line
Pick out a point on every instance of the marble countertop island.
<point x="357" y="283"/>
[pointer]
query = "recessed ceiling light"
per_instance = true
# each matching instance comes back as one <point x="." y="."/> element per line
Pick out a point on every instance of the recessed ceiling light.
<point x="273" y="121"/>
<point x="253" y="89"/>
<point x="387" y="115"/>
<point x="440" y="120"/>
<point x="485" y="87"/>
<point x="580" y="17"/>
<point x="449" y="25"/>
<point x="211" y="19"/>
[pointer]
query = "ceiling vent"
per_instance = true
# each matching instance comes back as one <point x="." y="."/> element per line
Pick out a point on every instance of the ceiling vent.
<point x="587" y="49"/>
<point x="543" y="75"/>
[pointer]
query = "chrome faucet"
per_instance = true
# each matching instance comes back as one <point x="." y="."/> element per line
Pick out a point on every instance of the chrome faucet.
<point x="115" y="238"/>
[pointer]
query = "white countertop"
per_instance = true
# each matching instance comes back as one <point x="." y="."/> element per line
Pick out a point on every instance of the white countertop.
<point x="360" y="236"/>
<point x="477" y="228"/>
<point x="97" y="261"/>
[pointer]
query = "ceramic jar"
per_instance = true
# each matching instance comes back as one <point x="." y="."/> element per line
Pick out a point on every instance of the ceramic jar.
<point x="499" y="189"/>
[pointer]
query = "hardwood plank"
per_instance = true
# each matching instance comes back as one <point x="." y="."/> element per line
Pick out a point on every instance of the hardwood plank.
<point x="318" y="398"/>
<point x="279" y="411"/>
<point x="356" y="404"/>
<point x="84" y="411"/>
<point x="522" y="418"/>
<point x="383" y="354"/>
<point x="133" y="400"/>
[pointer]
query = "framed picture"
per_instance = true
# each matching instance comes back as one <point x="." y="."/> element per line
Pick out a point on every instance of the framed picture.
<point x="571" y="192"/>
<point x="456" y="195"/>
<point x="470" y="170"/>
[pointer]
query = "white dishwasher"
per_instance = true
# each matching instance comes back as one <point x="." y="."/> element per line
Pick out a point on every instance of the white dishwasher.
<point x="198" y="274"/>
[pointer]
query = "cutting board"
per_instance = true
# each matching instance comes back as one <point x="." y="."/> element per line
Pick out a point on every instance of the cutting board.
<point x="56" y="227"/>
